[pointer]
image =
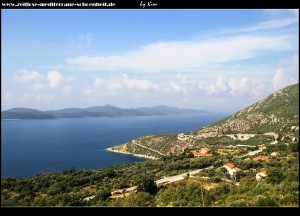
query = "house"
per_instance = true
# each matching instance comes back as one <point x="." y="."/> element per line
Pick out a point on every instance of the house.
<point x="275" y="154"/>
<point x="199" y="154"/>
<point x="234" y="170"/>
<point x="262" y="174"/>
<point x="184" y="148"/>
<point x="247" y="159"/>
<point x="204" y="150"/>
<point x="228" y="166"/>
<point x="231" y="168"/>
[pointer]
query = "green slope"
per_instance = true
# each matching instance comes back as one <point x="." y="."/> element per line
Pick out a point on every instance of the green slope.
<point x="276" y="113"/>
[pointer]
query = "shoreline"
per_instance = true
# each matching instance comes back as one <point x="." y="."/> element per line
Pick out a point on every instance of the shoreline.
<point x="136" y="155"/>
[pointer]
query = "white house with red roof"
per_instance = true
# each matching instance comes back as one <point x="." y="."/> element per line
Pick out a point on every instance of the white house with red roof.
<point x="262" y="174"/>
<point x="228" y="166"/>
<point x="231" y="168"/>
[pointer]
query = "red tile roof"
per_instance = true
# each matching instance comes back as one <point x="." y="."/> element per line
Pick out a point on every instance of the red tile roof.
<point x="264" y="172"/>
<point x="205" y="150"/>
<point x="230" y="165"/>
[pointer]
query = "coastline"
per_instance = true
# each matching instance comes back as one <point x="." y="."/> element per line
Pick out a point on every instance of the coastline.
<point x="136" y="155"/>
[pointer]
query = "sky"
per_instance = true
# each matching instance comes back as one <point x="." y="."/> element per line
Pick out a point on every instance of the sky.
<point x="217" y="60"/>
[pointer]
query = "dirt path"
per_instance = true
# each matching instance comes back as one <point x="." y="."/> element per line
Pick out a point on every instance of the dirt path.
<point x="134" y="142"/>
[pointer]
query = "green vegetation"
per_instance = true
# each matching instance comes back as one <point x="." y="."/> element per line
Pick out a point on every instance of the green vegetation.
<point x="69" y="188"/>
<point x="148" y="185"/>
<point x="278" y="113"/>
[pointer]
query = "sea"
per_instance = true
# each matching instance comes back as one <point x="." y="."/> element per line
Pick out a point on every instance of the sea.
<point x="29" y="147"/>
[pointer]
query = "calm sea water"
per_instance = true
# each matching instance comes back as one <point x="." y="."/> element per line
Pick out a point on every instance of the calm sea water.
<point x="33" y="146"/>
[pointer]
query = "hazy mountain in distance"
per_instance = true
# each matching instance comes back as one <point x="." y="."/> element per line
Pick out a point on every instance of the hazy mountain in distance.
<point x="95" y="111"/>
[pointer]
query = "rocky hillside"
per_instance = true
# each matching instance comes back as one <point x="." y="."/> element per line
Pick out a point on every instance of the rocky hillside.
<point x="270" y="114"/>
<point x="276" y="115"/>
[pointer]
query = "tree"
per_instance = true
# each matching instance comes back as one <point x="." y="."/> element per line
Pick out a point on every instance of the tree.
<point x="148" y="185"/>
<point x="294" y="147"/>
<point x="103" y="195"/>
<point x="276" y="175"/>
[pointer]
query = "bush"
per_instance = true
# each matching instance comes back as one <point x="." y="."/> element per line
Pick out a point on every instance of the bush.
<point x="267" y="201"/>
<point x="103" y="195"/>
<point x="148" y="185"/>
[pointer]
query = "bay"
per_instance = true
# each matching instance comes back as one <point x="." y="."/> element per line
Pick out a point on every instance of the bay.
<point x="29" y="147"/>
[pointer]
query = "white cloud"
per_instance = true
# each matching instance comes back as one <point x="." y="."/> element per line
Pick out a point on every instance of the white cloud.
<point x="116" y="83"/>
<point x="173" y="87"/>
<point x="239" y="86"/>
<point x="55" y="78"/>
<point x="267" y="25"/>
<point x="258" y="89"/>
<point x="185" y="55"/>
<point x="236" y="87"/>
<point x="281" y="80"/>
<point x="26" y="76"/>
<point x="138" y="84"/>
<point x="219" y="86"/>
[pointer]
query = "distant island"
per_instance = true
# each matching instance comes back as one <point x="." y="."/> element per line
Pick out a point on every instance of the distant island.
<point x="95" y="111"/>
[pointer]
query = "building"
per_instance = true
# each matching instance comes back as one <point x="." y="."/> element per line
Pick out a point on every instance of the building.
<point x="262" y="174"/>
<point x="231" y="169"/>
<point x="234" y="170"/>
<point x="204" y="150"/>
<point x="199" y="154"/>
<point x="228" y="166"/>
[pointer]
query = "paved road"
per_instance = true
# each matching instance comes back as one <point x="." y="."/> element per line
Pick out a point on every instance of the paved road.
<point x="252" y="153"/>
<point x="165" y="180"/>
<point x="179" y="177"/>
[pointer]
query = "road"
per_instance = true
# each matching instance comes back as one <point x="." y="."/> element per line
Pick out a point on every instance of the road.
<point x="179" y="177"/>
<point x="166" y="180"/>
<point x="251" y="153"/>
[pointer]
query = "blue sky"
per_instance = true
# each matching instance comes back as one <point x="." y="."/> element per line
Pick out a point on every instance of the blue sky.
<point x="205" y="59"/>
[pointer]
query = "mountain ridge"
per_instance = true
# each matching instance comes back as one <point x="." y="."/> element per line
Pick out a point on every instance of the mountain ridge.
<point x="94" y="111"/>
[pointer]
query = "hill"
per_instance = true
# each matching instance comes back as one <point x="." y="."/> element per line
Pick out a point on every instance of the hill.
<point x="269" y="119"/>
<point x="96" y="111"/>
<point x="25" y="113"/>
